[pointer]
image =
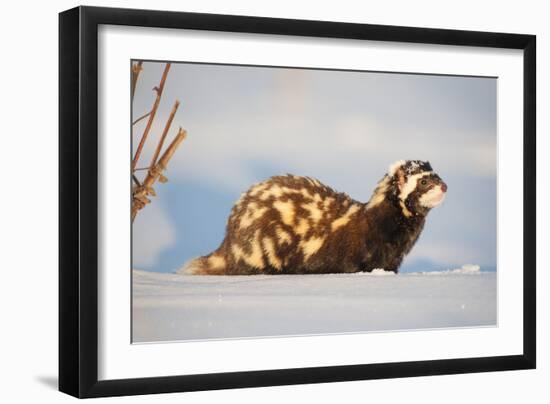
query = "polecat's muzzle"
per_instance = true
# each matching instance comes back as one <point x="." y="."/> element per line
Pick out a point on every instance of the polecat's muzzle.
<point x="434" y="196"/>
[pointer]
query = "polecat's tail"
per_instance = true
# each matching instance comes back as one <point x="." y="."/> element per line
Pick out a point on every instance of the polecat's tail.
<point x="212" y="264"/>
<point x="195" y="266"/>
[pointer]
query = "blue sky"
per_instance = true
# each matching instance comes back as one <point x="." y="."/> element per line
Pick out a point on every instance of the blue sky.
<point x="345" y="128"/>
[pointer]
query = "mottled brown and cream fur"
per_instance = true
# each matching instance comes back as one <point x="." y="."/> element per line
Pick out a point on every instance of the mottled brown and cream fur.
<point x="297" y="225"/>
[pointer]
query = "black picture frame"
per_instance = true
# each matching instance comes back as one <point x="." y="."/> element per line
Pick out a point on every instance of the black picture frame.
<point x="78" y="201"/>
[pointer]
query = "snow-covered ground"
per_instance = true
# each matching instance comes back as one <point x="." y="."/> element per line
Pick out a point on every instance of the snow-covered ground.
<point x="171" y="307"/>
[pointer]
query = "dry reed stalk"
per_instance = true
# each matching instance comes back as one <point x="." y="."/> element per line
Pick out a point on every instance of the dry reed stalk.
<point x="164" y="133"/>
<point x="136" y="70"/>
<point x="141" y="117"/>
<point x="141" y="192"/>
<point x="152" y="114"/>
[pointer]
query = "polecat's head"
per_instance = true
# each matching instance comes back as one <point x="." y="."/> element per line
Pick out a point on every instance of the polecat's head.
<point x="418" y="188"/>
<point x="413" y="185"/>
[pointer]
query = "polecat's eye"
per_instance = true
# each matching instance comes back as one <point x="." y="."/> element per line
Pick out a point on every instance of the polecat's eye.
<point x="423" y="182"/>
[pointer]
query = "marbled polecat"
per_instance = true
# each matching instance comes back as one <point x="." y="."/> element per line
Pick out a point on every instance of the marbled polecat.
<point x="296" y="225"/>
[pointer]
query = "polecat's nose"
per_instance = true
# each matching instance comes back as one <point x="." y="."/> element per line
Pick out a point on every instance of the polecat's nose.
<point x="444" y="187"/>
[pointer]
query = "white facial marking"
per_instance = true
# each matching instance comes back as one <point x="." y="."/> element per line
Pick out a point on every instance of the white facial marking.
<point x="432" y="198"/>
<point x="410" y="185"/>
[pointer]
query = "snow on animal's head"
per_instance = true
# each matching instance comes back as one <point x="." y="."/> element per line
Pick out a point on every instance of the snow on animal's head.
<point x="409" y="167"/>
<point x="419" y="188"/>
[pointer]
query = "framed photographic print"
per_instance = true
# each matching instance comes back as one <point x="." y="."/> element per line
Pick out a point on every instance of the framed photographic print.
<point x="250" y="201"/>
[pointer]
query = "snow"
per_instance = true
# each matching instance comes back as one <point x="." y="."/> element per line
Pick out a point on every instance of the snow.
<point x="464" y="269"/>
<point x="172" y="307"/>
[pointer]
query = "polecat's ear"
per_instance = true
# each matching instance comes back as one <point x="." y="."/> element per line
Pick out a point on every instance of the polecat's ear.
<point x="400" y="176"/>
<point x="395" y="166"/>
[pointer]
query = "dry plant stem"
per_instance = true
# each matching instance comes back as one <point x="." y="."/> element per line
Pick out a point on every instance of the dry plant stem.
<point x="141" y="117"/>
<point x="136" y="70"/>
<point x="164" y="133"/>
<point x="165" y="159"/>
<point x="140" y="194"/>
<point x="159" y="89"/>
